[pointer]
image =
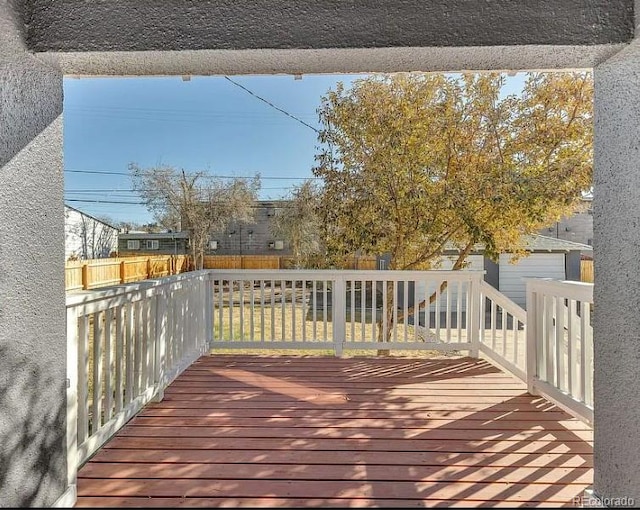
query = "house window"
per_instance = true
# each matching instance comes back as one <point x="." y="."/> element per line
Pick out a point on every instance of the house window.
<point x="153" y="244"/>
<point x="133" y="245"/>
<point x="590" y="242"/>
<point x="279" y="245"/>
<point x="213" y="245"/>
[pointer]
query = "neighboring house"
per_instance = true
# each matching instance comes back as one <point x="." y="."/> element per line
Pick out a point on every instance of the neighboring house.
<point x="547" y="258"/>
<point x="87" y="237"/>
<point x="251" y="239"/>
<point x="577" y="228"/>
<point x="166" y="243"/>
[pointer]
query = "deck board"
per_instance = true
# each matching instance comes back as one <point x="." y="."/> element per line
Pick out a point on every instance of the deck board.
<point x="294" y="431"/>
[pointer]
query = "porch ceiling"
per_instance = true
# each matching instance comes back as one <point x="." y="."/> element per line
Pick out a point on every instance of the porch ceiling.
<point x="124" y="37"/>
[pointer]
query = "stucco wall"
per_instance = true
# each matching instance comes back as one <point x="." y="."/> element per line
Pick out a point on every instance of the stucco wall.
<point x="32" y="299"/>
<point x="617" y="276"/>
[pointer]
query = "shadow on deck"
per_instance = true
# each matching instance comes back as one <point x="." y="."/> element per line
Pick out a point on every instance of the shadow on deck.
<point x="293" y="431"/>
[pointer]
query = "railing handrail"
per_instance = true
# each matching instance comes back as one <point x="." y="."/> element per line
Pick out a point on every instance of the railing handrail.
<point x="581" y="291"/>
<point x="333" y="274"/>
<point x="503" y="301"/>
<point x="89" y="296"/>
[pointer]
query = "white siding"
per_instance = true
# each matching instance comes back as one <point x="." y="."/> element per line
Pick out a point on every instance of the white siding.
<point x="87" y="238"/>
<point x="541" y="265"/>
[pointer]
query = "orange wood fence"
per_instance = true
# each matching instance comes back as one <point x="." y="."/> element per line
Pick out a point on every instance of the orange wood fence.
<point x="91" y="274"/>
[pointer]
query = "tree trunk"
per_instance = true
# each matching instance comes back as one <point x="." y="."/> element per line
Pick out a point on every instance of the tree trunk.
<point x="382" y="335"/>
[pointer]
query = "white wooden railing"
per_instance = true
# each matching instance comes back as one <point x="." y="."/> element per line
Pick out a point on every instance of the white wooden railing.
<point x="560" y="344"/>
<point x="503" y="331"/>
<point x="125" y="345"/>
<point x="346" y="309"/>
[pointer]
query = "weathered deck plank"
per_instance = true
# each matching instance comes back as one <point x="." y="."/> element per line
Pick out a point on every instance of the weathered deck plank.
<point x="316" y="432"/>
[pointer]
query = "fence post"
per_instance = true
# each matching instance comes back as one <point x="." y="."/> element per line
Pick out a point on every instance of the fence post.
<point x="72" y="399"/>
<point x="532" y="337"/>
<point x="148" y="268"/>
<point x="123" y="270"/>
<point x="338" y="313"/>
<point x="85" y="276"/>
<point x="476" y="321"/>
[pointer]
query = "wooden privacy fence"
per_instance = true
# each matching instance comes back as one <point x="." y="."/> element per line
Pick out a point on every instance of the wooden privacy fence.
<point x="275" y="262"/>
<point x="95" y="273"/>
<point x="586" y="271"/>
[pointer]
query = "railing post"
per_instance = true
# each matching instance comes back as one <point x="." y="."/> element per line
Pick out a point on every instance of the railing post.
<point x="72" y="399"/>
<point x="161" y="344"/>
<point x="208" y="312"/>
<point x="338" y="313"/>
<point x="532" y="337"/>
<point x="476" y="320"/>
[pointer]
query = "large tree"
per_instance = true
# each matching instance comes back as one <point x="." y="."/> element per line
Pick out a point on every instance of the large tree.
<point x="195" y="202"/>
<point x="413" y="163"/>
<point x="298" y="223"/>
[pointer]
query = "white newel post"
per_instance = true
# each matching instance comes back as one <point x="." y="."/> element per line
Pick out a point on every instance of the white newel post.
<point x="532" y="337"/>
<point x="209" y="315"/>
<point x="72" y="402"/>
<point x="338" y="313"/>
<point x="476" y="321"/>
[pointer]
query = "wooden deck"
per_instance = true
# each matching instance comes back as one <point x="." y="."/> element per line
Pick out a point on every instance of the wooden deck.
<point x="237" y="431"/>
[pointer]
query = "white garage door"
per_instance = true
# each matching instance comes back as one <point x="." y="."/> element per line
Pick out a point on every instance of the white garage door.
<point x="476" y="263"/>
<point x="540" y="265"/>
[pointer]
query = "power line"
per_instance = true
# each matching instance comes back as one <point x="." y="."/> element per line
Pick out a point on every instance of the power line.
<point x="92" y="191"/>
<point x="123" y="202"/>
<point x="272" y="105"/>
<point x="100" y="172"/>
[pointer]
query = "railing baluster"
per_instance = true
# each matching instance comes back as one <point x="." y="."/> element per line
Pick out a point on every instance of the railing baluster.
<point x="504" y="331"/>
<point x="405" y="308"/>
<point x="448" y="311"/>
<point x="324" y="309"/>
<point x="96" y="414"/>
<point x="119" y="318"/>
<point x="352" y="313"/>
<point x="83" y="378"/>
<point x="374" y="306"/>
<point x="303" y="313"/>
<point x="108" y="367"/>
<point x="294" y="283"/>
<point x="416" y="311"/>
<point x="130" y="349"/>
<point x="273" y="311"/>
<point x="283" y="289"/>
<point x="494" y="315"/>
<point x="559" y="355"/>
<point x="231" y="307"/>
<point x="437" y="311"/>
<point x="588" y="359"/>
<point x="571" y="362"/>
<point x="363" y="308"/>
<point x="314" y="290"/>
<point x="262" y="307"/>
<point x="459" y="315"/>
<point x="252" y="305"/>
<point x="241" y="299"/>
<point x="551" y="339"/>
<point x="385" y="312"/>
<point x="395" y="310"/>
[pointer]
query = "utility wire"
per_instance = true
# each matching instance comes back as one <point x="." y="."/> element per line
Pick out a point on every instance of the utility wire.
<point x="99" y="172"/>
<point x="272" y="105"/>
<point x="124" y="202"/>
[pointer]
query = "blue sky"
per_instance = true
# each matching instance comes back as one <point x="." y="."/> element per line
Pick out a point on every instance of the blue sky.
<point x="206" y="123"/>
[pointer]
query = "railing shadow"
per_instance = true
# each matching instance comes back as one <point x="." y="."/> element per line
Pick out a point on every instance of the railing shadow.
<point x="32" y="433"/>
<point x="255" y="430"/>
